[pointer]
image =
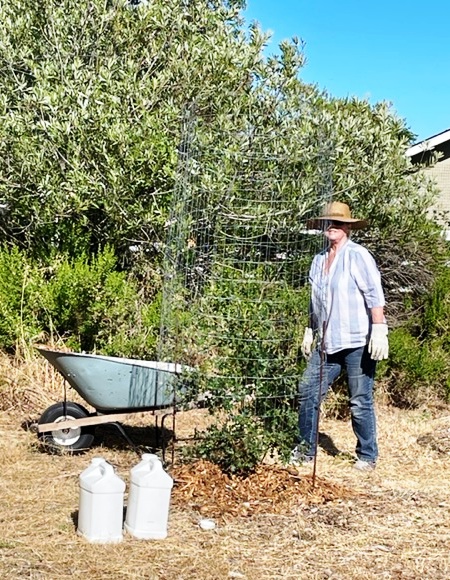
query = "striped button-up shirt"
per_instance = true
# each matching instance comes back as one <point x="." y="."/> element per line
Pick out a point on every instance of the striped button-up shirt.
<point x="342" y="298"/>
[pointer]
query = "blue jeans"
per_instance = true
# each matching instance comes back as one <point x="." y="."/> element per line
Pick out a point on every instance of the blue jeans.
<point x="360" y="376"/>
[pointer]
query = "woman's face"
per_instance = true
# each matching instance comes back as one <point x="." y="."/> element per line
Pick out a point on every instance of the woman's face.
<point x="335" y="231"/>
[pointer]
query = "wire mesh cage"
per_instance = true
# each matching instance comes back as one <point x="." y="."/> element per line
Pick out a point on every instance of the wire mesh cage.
<point x="238" y="252"/>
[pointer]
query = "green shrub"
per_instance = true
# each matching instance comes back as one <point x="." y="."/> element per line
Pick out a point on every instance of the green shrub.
<point x="436" y="317"/>
<point x="92" y="306"/>
<point x="85" y="303"/>
<point x="21" y="285"/>
<point x="417" y="371"/>
<point x="138" y="334"/>
<point x="237" y="446"/>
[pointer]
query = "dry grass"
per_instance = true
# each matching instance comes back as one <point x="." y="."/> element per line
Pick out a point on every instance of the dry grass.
<point x="392" y="523"/>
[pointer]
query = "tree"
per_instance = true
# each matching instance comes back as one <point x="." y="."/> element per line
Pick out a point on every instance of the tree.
<point x="92" y="95"/>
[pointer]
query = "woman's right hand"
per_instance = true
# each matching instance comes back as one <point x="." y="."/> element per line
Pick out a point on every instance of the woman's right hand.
<point x="306" y="347"/>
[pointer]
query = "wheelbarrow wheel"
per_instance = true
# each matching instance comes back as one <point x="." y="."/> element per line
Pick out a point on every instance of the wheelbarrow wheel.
<point x="76" y="439"/>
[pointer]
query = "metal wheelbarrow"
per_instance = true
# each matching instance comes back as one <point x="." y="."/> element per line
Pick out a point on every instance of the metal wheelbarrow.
<point x="115" y="387"/>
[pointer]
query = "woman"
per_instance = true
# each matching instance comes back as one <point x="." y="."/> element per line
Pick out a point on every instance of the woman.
<point x="347" y="315"/>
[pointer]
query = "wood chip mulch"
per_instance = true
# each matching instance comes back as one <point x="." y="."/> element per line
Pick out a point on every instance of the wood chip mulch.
<point x="271" y="489"/>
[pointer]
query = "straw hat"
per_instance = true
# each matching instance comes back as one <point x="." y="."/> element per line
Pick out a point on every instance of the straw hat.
<point x="337" y="211"/>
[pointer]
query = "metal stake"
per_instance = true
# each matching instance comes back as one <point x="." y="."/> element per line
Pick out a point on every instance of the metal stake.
<point x="322" y="363"/>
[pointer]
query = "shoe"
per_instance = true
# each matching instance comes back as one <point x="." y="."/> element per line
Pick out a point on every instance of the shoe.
<point x="364" y="465"/>
<point x="298" y="457"/>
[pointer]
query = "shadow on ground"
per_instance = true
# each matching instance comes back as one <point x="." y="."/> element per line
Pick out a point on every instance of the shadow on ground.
<point x="327" y="444"/>
<point x="141" y="439"/>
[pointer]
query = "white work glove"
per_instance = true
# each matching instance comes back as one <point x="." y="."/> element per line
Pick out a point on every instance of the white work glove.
<point x="307" y="342"/>
<point x="378" y="343"/>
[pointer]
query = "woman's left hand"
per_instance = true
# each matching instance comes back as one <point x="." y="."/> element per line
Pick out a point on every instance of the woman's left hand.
<point x="378" y="343"/>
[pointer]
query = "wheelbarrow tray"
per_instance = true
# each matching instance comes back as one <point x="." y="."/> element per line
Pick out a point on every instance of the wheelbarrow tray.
<point x="113" y="384"/>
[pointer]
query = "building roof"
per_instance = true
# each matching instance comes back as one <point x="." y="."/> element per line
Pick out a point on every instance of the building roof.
<point x="428" y="144"/>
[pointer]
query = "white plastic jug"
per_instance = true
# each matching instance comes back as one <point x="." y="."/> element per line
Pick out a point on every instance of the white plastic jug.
<point x="100" y="515"/>
<point x="148" y="499"/>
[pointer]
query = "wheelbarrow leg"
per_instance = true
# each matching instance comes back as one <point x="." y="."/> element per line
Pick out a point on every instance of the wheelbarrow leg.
<point x="125" y="436"/>
<point x="163" y="443"/>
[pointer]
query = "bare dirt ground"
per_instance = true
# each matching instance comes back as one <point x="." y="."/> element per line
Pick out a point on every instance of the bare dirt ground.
<point x="391" y="523"/>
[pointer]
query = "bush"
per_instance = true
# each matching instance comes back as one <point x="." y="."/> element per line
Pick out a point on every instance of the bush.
<point x="21" y="285"/>
<point x="436" y="318"/>
<point x="92" y="306"/>
<point x="85" y="303"/>
<point x="418" y="369"/>
<point x="237" y="446"/>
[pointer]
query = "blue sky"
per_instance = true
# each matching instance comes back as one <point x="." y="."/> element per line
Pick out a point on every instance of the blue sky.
<point x="396" y="51"/>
